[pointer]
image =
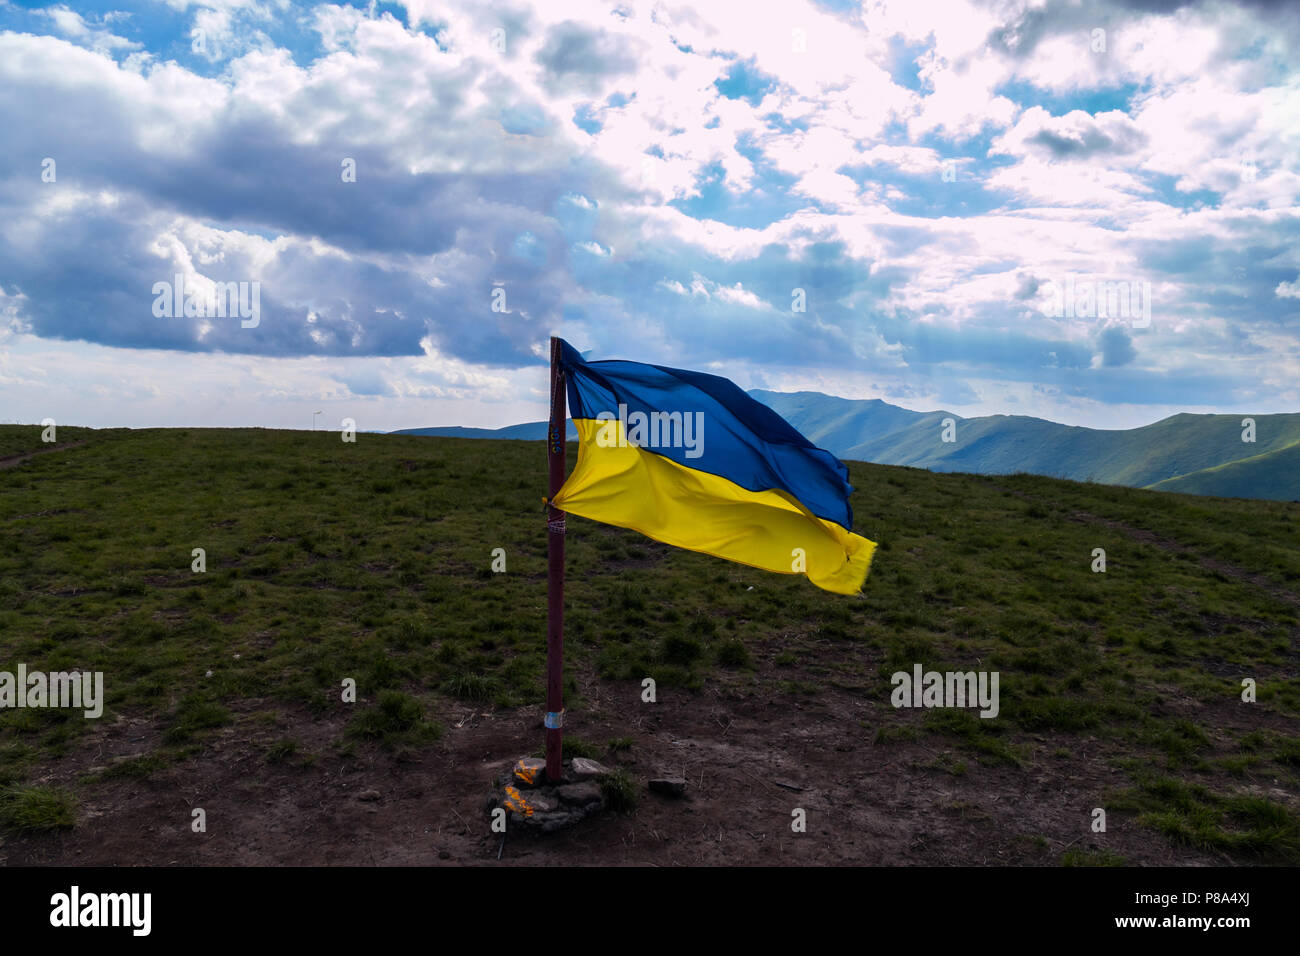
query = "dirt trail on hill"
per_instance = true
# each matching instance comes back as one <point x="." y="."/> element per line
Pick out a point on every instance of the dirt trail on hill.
<point x="13" y="461"/>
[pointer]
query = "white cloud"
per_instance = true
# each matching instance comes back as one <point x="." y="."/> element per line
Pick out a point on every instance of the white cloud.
<point x="73" y="26"/>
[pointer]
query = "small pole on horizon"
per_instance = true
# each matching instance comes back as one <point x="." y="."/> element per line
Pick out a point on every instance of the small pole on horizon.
<point x="555" y="439"/>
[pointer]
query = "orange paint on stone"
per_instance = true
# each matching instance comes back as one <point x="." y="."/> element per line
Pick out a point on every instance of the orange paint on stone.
<point x="516" y="802"/>
<point x="526" y="773"/>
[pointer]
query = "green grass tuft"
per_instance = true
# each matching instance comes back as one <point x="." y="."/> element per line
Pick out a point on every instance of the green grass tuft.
<point x="396" y="721"/>
<point x="620" y="791"/>
<point x="37" y="809"/>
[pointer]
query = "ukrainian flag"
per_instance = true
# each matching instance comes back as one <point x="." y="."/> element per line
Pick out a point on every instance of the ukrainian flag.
<point x="691" y="460"/>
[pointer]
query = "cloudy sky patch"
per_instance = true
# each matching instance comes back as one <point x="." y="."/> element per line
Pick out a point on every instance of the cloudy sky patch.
<point x="877" y="200"/>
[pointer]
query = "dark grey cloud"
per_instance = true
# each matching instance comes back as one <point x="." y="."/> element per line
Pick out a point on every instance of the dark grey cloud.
<point x="1024" y="29"/>
<point x="579" y="56"/>
<point x="1087" y="139"/>
<point x="1027" y="286"/>
<point x="1116" y="347"/>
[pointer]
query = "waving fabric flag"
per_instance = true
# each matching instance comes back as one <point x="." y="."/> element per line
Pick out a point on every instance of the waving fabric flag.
<point x="691" y="460"/>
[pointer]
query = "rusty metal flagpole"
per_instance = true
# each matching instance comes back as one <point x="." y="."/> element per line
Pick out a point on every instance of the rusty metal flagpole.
<point x="555" y="448"/>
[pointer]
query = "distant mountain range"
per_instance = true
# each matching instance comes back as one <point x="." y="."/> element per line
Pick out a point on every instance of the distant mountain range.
<point x="1193" y="454"/>
<point x="529" y="431"/>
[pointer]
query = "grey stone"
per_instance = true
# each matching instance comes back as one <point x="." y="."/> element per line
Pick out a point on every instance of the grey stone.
<point x="550" y="822"/>
<point x="581" y="794"/>
<point x="672" y="786"/>
<point x="368" y="795"/>
<point x="583" y="769"/>
<point x="542" y="802"/>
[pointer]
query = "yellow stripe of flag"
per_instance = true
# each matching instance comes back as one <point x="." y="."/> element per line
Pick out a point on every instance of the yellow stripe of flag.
<point x="618" y="483"/>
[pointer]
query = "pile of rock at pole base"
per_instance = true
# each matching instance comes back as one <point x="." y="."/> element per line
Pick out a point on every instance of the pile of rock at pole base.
<point x="536" y="803"/>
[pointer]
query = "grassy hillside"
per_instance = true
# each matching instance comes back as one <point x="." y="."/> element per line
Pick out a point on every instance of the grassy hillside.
<point x="372" y="561"/>
<point x="1274" y="474"/>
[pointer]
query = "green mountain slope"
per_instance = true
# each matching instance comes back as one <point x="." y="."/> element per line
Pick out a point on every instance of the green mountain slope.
<point x="839" y="423"/>
<point x="1006" y="444"/>
<point x="1274" y="474"/>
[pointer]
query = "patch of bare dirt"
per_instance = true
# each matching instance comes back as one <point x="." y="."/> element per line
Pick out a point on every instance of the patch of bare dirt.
<point x="750" y="763"/>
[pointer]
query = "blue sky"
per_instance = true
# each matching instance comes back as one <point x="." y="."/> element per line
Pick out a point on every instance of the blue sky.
<point x="660" y="181"/>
